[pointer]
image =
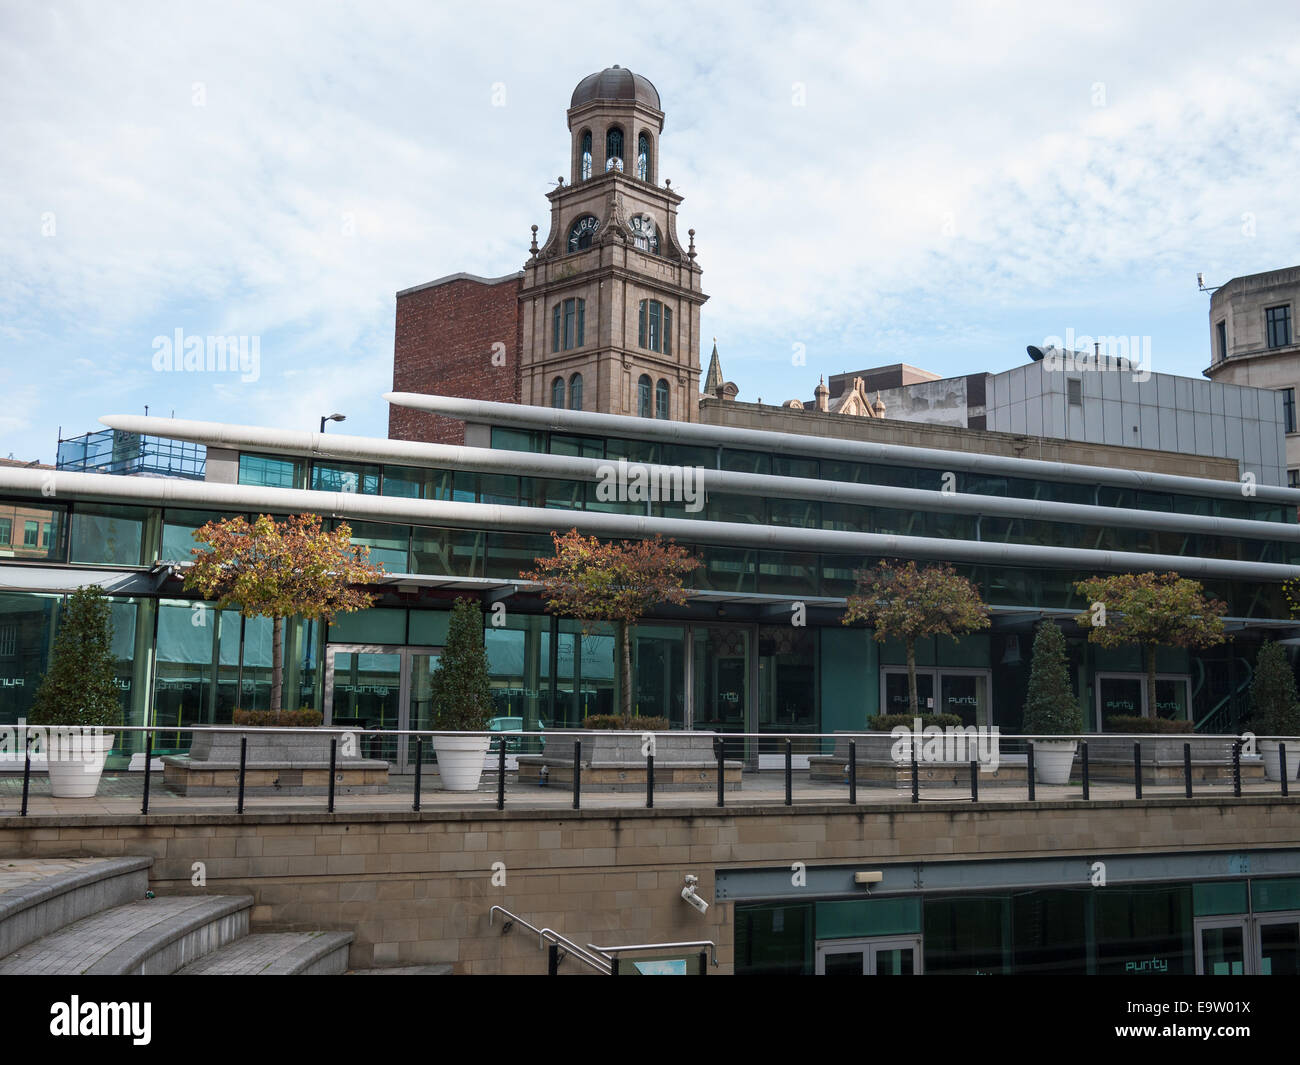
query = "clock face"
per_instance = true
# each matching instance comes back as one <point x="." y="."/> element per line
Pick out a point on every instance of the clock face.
<point x="647" y="236"/>
<point x="583" y="231"/>
<point x="614" y="163"/>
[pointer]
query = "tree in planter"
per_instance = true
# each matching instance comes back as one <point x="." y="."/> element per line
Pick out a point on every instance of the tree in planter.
<point x="1151" y="610"/>
<point x="281" y="569"/>
<point x="1274" y="702"/>
<point x="902" y="602"/>
<point x="1050" y="705"/>
<point x="81" y="685"/>
<point x="618" y="582"/>
<point x="459" y="687"/>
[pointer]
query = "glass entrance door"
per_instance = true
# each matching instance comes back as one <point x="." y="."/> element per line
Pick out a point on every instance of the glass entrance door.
<point x="1221" y="947"/>
<point x="1277" y="942"/>
<point x="377" y="687"/>
<point x="720" y="666"/>
<point x="877" y="956"/>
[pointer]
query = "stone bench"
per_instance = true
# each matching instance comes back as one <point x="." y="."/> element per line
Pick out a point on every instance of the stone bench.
<point x="277" y="763"/>
<point x="612" y="761"/>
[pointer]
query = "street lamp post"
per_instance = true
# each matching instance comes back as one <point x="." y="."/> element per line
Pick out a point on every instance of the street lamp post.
<point x="331" y="418"/>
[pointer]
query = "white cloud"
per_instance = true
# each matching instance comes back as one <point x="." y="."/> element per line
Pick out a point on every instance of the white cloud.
<point x="949" y="191"/>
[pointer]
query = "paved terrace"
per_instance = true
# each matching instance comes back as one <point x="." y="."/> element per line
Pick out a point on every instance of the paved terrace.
<point x="120" y="795"/>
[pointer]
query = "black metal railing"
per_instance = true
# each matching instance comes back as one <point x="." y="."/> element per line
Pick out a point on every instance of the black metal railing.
<point x="1151" y="765"/>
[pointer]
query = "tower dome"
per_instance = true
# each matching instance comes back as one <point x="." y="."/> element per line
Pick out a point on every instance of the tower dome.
<point x="616" y="83"/>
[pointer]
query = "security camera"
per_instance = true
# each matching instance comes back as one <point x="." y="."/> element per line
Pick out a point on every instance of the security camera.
<point x="688" y="893"/>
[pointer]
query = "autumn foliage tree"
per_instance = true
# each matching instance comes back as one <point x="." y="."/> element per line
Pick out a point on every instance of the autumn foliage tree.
<point x="1151" y="610"/>
<point x="618" y="582"/>
<point x="905" y="603"/>
<point x="281" y="569"/>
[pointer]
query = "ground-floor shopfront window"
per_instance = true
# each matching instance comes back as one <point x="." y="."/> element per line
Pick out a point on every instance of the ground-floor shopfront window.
<point x="1232" y="927"/>
<point x="1125" y="695"/>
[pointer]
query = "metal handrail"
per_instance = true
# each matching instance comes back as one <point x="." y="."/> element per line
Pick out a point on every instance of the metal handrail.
<point x="545" y="934"/>
<point x="614" y="952"/>
<point x="580" y="733"/>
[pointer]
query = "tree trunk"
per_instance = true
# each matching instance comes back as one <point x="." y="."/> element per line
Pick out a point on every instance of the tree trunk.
<point x="627" y="669"/>
<point x="911" y="676"/>
<point x="277" y="662"/>
<point x="1151" y="680"/>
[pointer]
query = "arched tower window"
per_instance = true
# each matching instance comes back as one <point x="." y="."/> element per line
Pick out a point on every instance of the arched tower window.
<point x="557" y="393"/>
<point x="586" y="155"/>
<point x="643" y="157"/>
<point x="643" y="389"/>
<point x="614" y="149"/>
<point x="575" y="392"/>
<point x="661" y="399"/>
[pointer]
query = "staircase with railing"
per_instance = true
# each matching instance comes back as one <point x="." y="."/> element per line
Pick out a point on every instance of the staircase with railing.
<point x="603" y="960"/>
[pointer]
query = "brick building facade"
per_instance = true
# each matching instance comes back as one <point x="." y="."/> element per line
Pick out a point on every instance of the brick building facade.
<point x="457" y="336"/>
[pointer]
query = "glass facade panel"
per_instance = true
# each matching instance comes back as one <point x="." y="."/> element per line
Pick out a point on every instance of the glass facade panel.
<point x="1049" y="932"/>
<point x="721" y="678"/>
<point x="1219" y="897"/>
<point x="1144" y="931"/>
<point x="453" y="552"/>
<point x="23" y="523"/>
<point x="388" y="543"/>
<point x="26" y="641"/>
<point x="774" y="940"/>
<point x="268" y="471"/>
<point x="967" y="936"/>
<point x="344" y="477"/>
<point x="520" y="666"/>
<point x="111" y="536"/>
<point x="178" y="541"/>
<point x="376" y="625"/>
<point x="1271" y="895"/>
<point x="787" y="685"/>
<point x="658" y="669"/>
<point x="854" y="918"/>
<point x="190" y="650"/>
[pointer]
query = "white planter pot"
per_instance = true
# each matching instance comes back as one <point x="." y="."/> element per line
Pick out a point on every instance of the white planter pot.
<point x="76" y="765"/>
<point x="1273" y="764"/>
<point x="1053" y="759"/>
<point x="460" y="760"/>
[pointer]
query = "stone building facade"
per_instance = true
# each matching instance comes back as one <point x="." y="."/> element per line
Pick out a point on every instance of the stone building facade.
<point x="1253" y="342"/>
<point x="604" y="316"/>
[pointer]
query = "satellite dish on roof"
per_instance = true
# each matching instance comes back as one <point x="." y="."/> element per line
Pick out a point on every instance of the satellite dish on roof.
<point x="1035" y="353"/>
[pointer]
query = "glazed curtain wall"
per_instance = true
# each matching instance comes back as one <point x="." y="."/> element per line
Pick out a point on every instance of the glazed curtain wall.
<point x="141" y="536"/>
<point x="200" y="663"/>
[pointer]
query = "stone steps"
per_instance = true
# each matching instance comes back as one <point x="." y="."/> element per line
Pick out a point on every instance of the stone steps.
<point x="147" y="937"/>
<point x="91" y="916"/>
<point x="277" y="954"/>
<point x="38" y="897"/>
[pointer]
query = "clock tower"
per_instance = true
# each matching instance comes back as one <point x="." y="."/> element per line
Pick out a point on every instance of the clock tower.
<point x="609" y="301"/>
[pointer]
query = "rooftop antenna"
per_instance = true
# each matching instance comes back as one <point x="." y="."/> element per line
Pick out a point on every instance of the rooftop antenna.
<point x="146" y="410"/>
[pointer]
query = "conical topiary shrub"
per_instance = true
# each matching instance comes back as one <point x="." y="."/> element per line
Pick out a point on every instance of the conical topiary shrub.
<point x="462" y="699"/>
<point x="81" y="685"/>
<point x="1050" y="706"/>
<point x="460" y="689"/>
<point x="1274" y="701"/>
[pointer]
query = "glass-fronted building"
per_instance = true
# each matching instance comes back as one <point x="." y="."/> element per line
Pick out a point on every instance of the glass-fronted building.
<point x="780" y="523"/>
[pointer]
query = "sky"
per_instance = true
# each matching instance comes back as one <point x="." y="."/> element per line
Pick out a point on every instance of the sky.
<point x="869" y="183"/>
